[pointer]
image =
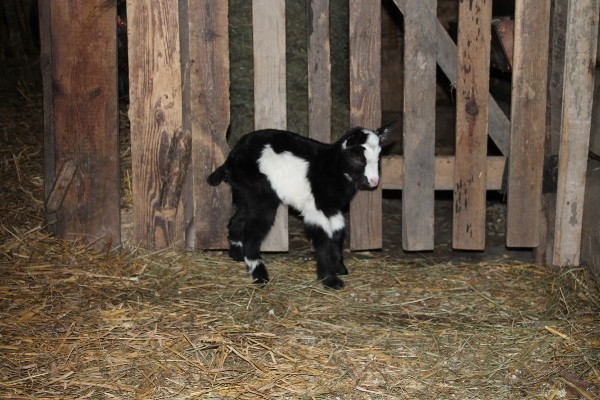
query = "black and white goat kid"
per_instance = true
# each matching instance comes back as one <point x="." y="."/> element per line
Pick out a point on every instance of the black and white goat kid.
<point x="269" y="167"/>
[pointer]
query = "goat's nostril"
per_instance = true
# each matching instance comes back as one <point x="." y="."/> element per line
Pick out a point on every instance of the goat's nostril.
<point x="374" y="181"/>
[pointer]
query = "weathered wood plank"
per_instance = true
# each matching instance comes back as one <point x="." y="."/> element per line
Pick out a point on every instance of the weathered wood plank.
<point x="472" y="92"/>
<point x="155" y="113"/>
<point x="420" y="49"/>
<point x="208" y="117"/>
<point x="46" y="69"/>
<point x="319" y="71"/>
<point x="544" y="252"/>
<point x="268" y="29"/>
<point x="499" y="126"/>
<point x="365" y="110"/>
<point x="595" y="134"/>
<point x="81" y="124"/>
<point x="528" y="123"/>
<point x="580" y="57"/>
<point x="392" y="168"/>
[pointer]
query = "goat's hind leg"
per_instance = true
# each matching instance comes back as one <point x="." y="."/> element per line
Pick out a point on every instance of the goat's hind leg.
<point x="236" y="233"/>
<point x="260" y="218"/>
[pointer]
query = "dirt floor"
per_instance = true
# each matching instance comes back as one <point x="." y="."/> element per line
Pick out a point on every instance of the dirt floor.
<point x="137" y="324"/>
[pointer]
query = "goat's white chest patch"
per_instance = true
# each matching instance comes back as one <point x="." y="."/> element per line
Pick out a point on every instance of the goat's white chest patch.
<point x="288" y="176"/>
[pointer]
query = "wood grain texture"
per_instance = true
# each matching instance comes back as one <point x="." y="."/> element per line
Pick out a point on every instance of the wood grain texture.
<point x="580" y="58"/>
<point x="420" y="49"/>
<point x="365" y="110"/>
<point x="472" y="92"/>
<point x="319" y="71"/>
<point x="81" y="117"/>
<point x="392" y="168"/>
<point x="155" y="114"/>
<point x="46" y="69"/>
<point x="528" y="123"/>
<point x="268" y="37"/>
<point x="208" y="116"/>
<point x="595" y="134"/>
<point x="556" y="64"/>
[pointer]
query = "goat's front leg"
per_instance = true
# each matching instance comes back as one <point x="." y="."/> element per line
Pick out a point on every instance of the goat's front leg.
<point x="329" y="263"/>
<point x="338" y="251"/>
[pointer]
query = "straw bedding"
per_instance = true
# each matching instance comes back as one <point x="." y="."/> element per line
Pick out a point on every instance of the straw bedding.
<point x="136" y="324"/>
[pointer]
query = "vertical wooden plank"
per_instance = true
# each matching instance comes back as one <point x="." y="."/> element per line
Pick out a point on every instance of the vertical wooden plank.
<point x="472" y="91"/>
<point x="580" y="57"/>
<point x="81" y="121"/>
<point x="420" y="51"/>
<point x="155" y="114"/>
<point x="543" y="254"/>
<point x="48" y="104"/>
<point x="319" y="71"/>
<point x="268" y="36"/>
<point x="365" y="110"/>
<point x="595" y="134"/>
<point x="528" y="123"/>
<point x="208" y="99"/>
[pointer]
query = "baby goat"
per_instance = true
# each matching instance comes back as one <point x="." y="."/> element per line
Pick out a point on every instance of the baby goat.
<point x="269" y="167"/>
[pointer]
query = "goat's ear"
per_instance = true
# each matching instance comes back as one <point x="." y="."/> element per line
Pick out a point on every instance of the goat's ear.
<point x="385" y="130"/>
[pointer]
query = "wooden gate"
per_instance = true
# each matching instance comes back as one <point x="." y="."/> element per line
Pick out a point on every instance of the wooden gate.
<point x="179" y="113"/>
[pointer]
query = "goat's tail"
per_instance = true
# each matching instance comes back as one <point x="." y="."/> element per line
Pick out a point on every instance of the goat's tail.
<point x="218" y="176"/>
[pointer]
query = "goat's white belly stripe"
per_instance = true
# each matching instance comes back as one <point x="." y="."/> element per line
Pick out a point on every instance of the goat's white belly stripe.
<point x="287" y="174"/>
<point x="329" y="224"/>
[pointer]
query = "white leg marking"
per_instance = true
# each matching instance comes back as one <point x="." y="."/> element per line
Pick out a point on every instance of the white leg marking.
<point x="251" y="265"/>
<point x="236" y="243"/>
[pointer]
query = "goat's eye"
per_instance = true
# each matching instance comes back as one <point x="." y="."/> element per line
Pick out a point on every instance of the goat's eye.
<point x="356" y="157"/>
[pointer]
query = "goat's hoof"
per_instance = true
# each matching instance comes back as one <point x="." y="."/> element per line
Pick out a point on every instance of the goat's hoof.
<point x="236" y="253"/>
<point x="342" y="270"/>
<point x="333" y="282"/>
<point x="260" y="276"/>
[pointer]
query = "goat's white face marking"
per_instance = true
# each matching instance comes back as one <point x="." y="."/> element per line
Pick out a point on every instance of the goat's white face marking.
<point x="288" y="175"/>
<point x="372" y="150"/>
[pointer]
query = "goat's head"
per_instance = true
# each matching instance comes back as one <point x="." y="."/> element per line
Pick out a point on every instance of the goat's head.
<point x="361" y="149"/>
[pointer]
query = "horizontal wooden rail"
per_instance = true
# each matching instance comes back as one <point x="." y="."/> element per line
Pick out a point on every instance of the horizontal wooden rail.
<point x="392" y="174"/>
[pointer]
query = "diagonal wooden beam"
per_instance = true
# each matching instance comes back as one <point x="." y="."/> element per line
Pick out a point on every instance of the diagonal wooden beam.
<point x="498" y="124"/>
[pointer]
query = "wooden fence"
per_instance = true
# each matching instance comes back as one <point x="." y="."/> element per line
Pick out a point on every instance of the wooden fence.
<point x="179" y="113"/>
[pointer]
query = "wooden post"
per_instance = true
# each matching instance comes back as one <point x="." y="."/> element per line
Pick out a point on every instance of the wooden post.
<point x="528" y="123"/>
<point x="268" y="35"/>
<point x="207" y="95"/>
<point x="319" y="71"/>
<point x="580" y="57"/>
<point x="365" y="110"/>
<point x="420" y="50"/>
<point x="155" y="113"/>
<point x="80" y="120"/>
<point x="472" y="91"/>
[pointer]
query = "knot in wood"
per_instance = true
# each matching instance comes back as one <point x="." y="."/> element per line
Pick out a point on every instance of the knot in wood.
<point x="472" y="108"/>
